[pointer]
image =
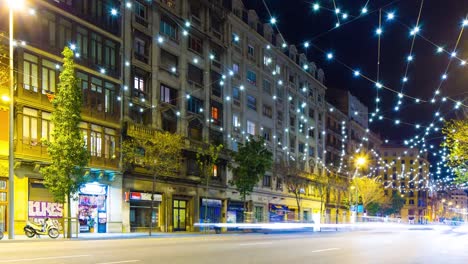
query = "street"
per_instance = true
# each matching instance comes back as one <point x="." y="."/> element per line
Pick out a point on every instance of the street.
<point x="412" y="245"/>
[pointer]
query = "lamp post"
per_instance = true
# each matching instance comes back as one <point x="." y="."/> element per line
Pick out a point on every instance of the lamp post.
<point x="12" y="5"/>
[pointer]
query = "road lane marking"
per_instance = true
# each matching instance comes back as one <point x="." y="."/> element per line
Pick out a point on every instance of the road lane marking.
<point x="256" y="243"/>
<point x="44" y="258"/>
<point x="123" y="261"/>
<point x="323" y="250"/>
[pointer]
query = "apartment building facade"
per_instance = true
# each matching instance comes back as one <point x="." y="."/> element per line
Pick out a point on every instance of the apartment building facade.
<point x="406" y="173"/>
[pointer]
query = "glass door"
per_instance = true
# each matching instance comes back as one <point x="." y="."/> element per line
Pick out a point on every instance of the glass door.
<point x="179" y="215"/>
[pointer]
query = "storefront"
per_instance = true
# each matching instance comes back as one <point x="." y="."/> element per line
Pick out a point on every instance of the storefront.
<point x="278" y="213"/>
<point x="3" y="204"/>
<point x="141" y="217"/>
<point x="235" y="212"/>
<point x="92" y="208"/>
<point x="179" y="214"/>
<point x="210" y="210"/>
<point x="41" y="204"/>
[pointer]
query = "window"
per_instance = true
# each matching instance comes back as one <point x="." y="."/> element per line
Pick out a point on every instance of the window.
<point x="109" y="97"/>
<point x="236" y="120"/>
<point x="266" y="60"/>
<point x="139" y="47"/>
<point x="267" y="111"/>
<point x="30" y="117"/>
<point x="292" y="122"/>
<point x="311" y="152"/>
<point x="411" y="201"/>
<point x="195" y="75"/>
<point x="236" y="93"/>
<point x="279" y="184"/>
<point x="251" y="50"/>
<point x="49" y="76"/>
<point x="252" y="77"/>
<point x="48" y="27"/>
<point x="168" y="95"/>
<point x="168" y="29"/>
<point x="267" y="87"/>
<point x="140" y="11"/>
<point x="216" y="87"/>
<point x="251" y="102"/>
<point x="195" y="129"/>
<point x="235" y="39"/>
<point x="266" y="181"/>
<point x="139" y="83"/>
<point x="110" y="54"/>
<point x="96" y="141"/>
<point x="311" y="113"/>
<point x="96" y="48"/>
<point x="47" y="127"/>
<point x="235" y="68"/>
<point x="30" y="73"/>
<point x="267" y="134"/>
<point x="64" y="33"/>
<point x="194" y="105"/>
<point x="109" y="143"/>
<point x="168" y="60"/>
<point x="214" y="113"/>
<point x="195" y="44"/>
<point x="250" y="127"/>
<point x="82" y="41"/>
<point x="95" y="94"/>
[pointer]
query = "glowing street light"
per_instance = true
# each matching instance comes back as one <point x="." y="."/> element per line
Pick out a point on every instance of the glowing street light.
<point x="361" y="161"/>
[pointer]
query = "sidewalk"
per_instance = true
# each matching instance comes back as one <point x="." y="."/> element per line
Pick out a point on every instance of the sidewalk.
<point x="104" y="236"/>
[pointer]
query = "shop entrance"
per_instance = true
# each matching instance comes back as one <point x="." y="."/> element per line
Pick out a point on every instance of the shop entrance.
<point x="179" y="214"/>
<point x="92" y="207"/>
<point x="3" y="204"/>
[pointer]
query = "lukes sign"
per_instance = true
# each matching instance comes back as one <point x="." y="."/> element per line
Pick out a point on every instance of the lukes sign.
<point x="45" y="209"/>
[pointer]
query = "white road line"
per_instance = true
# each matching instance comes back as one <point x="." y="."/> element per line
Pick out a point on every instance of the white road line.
<point x="257" y="243"/>
<point x="44" y="258"/>
<point x="123" y="261"/>
<point x="323" y="250"/>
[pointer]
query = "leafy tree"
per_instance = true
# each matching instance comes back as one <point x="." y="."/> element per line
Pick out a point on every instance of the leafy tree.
<point x="159" y="154"/>
<point x="206" y="160"/>
<point x="456" y="141"/>
<point x="67" y="150"/>
<point x="251" y="162"/>
<point x="374" y="208"/>
<point x="369" y="191"/>
<point x="295" y="180"/>
<point x="396" y="203"/>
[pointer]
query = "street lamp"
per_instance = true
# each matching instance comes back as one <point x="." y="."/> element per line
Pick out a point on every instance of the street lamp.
<point x="361" y="161"/>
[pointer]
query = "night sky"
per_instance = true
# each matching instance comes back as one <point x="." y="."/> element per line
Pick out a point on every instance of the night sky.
<point x="355" y="44"/>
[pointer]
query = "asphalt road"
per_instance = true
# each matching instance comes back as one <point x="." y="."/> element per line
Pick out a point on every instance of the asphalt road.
<point x="371" y="246"/>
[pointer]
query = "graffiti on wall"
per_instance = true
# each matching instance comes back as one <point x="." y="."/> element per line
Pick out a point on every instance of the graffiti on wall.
<point x="38" y="211"/>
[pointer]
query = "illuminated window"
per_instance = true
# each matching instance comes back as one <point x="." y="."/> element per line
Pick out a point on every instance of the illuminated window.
<point x="214" y="113"/>
<point x="251" y="127"/>
<point x="215" y="170"/>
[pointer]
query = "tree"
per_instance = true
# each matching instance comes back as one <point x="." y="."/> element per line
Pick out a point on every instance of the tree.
<point x="456" y="141"/>
<point x="396" y="203"/>
<point x="159" y="154"/>
<point x="206" y="160"/>
<point x="369" y="191"/>
<point x="68" y="152"/>
<point x="295" y="180"/>
<point x="251" y="162"/>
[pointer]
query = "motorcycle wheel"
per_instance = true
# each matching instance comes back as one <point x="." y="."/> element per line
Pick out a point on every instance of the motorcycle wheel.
<point x="29" y="233"/>
<point x="53" y="233"/>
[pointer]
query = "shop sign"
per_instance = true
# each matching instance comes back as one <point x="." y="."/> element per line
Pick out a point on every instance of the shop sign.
<point x="211" y="202"/>
<point x="39" y="209"/>
<point x="139" y="196"/>
<point x="93" y="189"/>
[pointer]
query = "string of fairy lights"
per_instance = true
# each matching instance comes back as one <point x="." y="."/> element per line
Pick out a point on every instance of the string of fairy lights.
<point x="414" y="32"/>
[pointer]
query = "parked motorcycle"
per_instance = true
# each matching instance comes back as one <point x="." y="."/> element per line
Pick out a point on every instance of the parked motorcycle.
<point x="48" y="228"/>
